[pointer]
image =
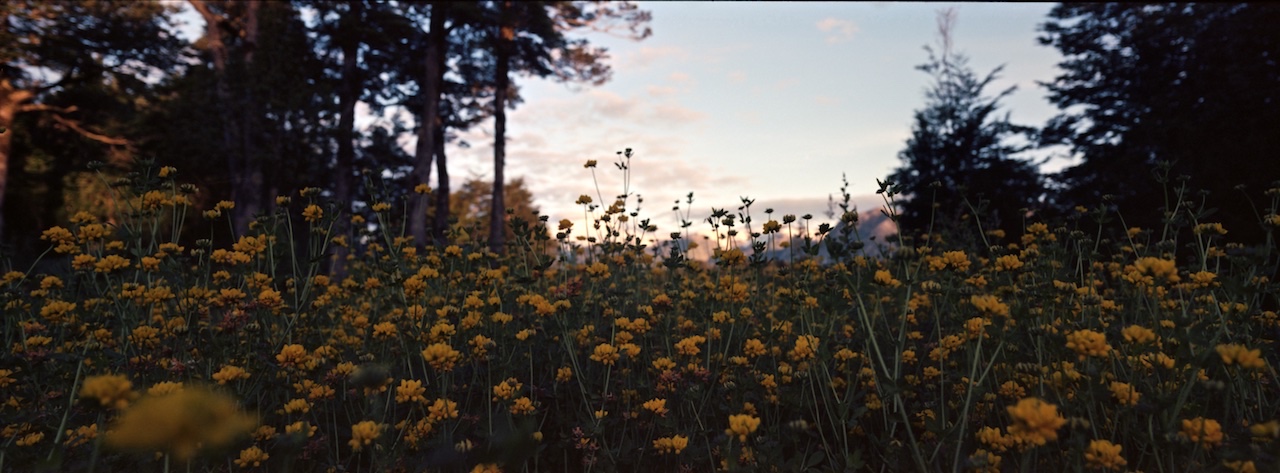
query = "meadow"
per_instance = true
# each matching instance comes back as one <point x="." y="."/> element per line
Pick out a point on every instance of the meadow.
<point x="1077" y="345"/>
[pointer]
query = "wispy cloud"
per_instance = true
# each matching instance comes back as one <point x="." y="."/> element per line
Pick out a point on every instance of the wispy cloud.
<point x="837" y="30"/>
<point x="737" y="77"/>
<point x="647" y="55"/>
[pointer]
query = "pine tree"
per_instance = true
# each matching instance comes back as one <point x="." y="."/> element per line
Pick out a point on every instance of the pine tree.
<point x="961" y="155"/>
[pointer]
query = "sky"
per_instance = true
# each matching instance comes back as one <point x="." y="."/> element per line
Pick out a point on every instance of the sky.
<point x="770" y="101"/>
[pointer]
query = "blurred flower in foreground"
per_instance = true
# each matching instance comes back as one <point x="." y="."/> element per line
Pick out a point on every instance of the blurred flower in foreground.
<point x="181" y="423"/>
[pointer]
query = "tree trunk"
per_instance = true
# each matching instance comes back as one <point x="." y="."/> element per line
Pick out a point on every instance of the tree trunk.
<point x="502" y="80"/>
<point x="429" y="118"/>
<point x="442" y="191"/>
<point x="240" y="161"/>
<point x="347" y="96"/>
<point x="8" y="109"/>
<point x="10" y="100"/>
<point x="250" y="185"/>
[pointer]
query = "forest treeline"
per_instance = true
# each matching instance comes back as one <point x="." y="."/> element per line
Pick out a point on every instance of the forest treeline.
<point x="265" y="102"/>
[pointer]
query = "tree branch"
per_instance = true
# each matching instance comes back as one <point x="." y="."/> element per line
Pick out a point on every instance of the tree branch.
<point x="75" y="125"/>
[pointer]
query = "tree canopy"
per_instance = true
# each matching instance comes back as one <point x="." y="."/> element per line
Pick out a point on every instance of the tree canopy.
<point x="1195" y="85"/>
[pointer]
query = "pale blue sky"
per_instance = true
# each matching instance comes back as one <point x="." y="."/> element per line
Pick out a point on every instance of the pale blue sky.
<point x="771" y="101"/>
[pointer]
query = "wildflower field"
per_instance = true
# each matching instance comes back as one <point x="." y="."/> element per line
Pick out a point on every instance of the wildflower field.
<point x="1077" y="345"/>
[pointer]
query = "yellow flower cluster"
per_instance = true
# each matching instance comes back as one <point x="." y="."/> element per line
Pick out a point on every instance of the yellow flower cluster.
<point x="1204" y="432"/>
<point x="1088" y="343"/>
<point x="671" y="445"/>
<point x="741" y="425"/>
<point x="1104" y="455"/>
<point x="1239" y="354"/>
<point x="1035" y="421"/>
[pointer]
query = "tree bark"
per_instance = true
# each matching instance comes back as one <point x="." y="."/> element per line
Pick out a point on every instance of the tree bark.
<point x="251" y="182"/>
<point x="347" y="97"/>
<point x="244" y="169"/>
<point x="502" y="80"/>
<point x="442" y="191"/>
<point x="429" y="118"/>
<point x="10" y="100"/>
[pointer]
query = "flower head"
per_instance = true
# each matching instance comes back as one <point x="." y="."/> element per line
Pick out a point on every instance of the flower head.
<point x="1035" y="421"/>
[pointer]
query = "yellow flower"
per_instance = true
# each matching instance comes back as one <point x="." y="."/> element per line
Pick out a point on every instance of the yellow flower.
<point x="230" y="373"/>
<point x="657" y="406"/>
<point x="1088" y="343"/>
<point x="590" y="163"/>
<point x="30" y="439"/>
<point x="741" y="425"/>
<point x="564" y="374"/>
<point x="673" y="445"/>
<point x="1125" y="393"/>
<point x="1204" y="432"/>
<point x="181" y="423"/>
<point x="110" y="263"/>
<point x="522" y="405"/>
<point x="605" y="353"/>
<point x="164" y="388"/>
<point x="885" y="278"/>
<point x="1104" y="454"/>
<point x="297" y="406"/>
<point x="441" y="356"/>
<point x="753" y="347"/>
<point x="410" y="390"/>
<point x="1138" y="334"/>
<point x="487" y="468"/>
<point x="292" y="355"/>
<point x="422" y="189"/>
<point x="442" y="409"/>
<point x="312" y="213"/>
<point x="583" y="199"/>
<point x="989" y="305"/>
<point x="1233" y="353"/>
<point x="1008" y="263"/>
<point x="251" y="457"/>
<point x="689" y="345"/>
<point x="805" y="348"/>
<point x="111" y="390"/>
<point x="1035" y="421"/>
<point x="364" y="433"/>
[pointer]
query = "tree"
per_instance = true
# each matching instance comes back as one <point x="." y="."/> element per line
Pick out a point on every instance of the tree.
<point x="231" y="38"/>
<point x="471" y="205"/>
<point x="1196" y="85"/>
<point x="529" y="37"/>
<point x="47" y="47"/>
<point x="367" y="40"/>
<point x="959" y="149"/>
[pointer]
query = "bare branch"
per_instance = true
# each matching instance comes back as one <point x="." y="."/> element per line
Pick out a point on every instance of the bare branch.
<point x="40" y="107"/>
<point x="75" y="125"/>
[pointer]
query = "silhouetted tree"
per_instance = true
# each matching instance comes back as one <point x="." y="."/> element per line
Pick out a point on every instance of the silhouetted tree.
<point x="49" y="47"/>
<point x="960" y="149"/>
<point x="1196" y="85"/>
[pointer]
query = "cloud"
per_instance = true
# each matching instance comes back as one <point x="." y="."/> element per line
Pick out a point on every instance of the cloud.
<point x="737" y="77"/>
<point x="647" y="55"/>
<point x="680" y="78"/>
<point x="838" y="31"/>
<point x="660" y="91"/>
<point x="827" y="100"/>
<point x="675" y="114"/>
